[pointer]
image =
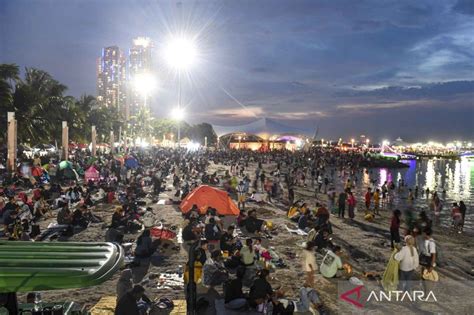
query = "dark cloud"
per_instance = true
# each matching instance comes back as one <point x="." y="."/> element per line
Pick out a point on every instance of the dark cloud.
<point x="368" y="25"/>
<point x="464" y="7"/>
<point x="434" y="90"/>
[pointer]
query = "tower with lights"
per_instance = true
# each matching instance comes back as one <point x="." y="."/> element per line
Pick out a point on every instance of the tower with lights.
<point x="139" y="64"/>
<point x="111" y="79"/>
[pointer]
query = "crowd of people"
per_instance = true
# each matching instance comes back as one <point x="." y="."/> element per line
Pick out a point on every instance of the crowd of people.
<point x="232" y="255"/>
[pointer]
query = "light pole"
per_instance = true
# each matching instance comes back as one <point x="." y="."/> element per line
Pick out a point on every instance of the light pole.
<point x="352" y="141"/>
<point x="180" y="54"/>
<point x="178" y="115"/>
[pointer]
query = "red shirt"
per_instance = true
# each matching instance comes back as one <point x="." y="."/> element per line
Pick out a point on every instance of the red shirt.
<point x="110" y="197"/>
<point x="368" y="196"/>
<point x="395" y="224"/>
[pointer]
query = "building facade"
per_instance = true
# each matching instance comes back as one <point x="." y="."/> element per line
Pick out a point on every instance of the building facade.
<point x="111" y="79"/>
<point x="139" y="63"/>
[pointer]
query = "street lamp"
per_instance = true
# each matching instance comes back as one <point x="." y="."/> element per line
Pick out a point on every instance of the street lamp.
<point x="240" y="139"/>
<point x="367" y="142"/>
<point x="180" y="54"/>
<point x="352" y="141"/>
<point x="178" y="115"/>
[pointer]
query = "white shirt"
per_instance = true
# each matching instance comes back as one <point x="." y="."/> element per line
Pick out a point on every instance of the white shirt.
<point x="309" y="258"/>
<point x="331" y="263"/>
<point x="407" y="261"/>
<point x="429" y="247"/>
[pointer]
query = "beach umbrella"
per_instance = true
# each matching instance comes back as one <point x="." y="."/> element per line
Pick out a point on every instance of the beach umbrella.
<point x="64" y="165"/>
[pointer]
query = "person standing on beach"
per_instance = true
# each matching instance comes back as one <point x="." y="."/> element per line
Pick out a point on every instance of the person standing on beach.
<point x="462" y="208"/>
<point x="342" y="204"/>
<point x="395" y="228"/>
<point x="376" y="198"/>
<point x="368" y="198"/>
<point x="457" y="217"/>
<point x="309" y="263"/>
<point x="351" y="202"/>
<point x="408" y="258"/>
<point x="241" y="196"/>
<point x="384" y="194"/>
<point x="411" y="197"/>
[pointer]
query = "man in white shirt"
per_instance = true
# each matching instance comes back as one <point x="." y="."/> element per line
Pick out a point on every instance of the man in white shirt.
<point x="241" y="195"/>
<point x="428" y="258"/>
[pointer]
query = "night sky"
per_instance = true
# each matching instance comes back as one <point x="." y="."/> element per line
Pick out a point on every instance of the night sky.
<point x="380" y="68"/>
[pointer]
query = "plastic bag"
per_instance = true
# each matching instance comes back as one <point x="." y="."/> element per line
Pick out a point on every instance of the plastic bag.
<point x="390" y="276"/>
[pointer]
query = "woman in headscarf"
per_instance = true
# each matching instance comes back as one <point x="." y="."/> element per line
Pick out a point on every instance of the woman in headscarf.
<point x="408" y="258"/>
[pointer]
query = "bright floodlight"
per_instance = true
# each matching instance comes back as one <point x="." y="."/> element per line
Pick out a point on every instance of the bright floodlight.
<point x="144" y="83"/>
<point x="180" y="53"/>
<point x="385" y="142"/>
<point x="177" y="114"/>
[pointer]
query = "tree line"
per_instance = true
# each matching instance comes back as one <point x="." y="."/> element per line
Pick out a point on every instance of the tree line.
<point x="40" y="104"/>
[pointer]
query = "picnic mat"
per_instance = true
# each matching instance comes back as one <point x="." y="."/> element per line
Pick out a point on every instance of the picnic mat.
<point x="105" y="306"/>
<point x="179" y="307"/>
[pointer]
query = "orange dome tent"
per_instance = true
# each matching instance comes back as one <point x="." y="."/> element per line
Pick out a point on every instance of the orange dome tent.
<point x="205" y="196"/>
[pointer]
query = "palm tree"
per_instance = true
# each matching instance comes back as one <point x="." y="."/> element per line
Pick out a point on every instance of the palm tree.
<point x="40" y="105"/>
<point x="9" y="76"/>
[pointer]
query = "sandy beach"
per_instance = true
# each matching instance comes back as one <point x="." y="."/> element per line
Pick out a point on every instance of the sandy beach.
<point x="366" y="247"/>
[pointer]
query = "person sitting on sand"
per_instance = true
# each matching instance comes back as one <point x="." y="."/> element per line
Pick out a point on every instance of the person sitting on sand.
<point x="304" y="222"/>
<point x="190" y="232"/>
<point x="146" y="247"/>
<point x="212" y="231"/>
<point x="128" y="304"/>
<point x="260" y="291"/>
<point x="322" y="215"/>
<point x="331" y="266"/>
<point x="233" y="296"/>
<point x="212" y="213"/>
<point x="227" y="241"/>
<point x="253" y="224"/>
<point x="322" y="240"/>
<point x="118" y="218"/>
<point x="214" y="272"/>
<point x="247" y="253"/>
<point x="78" y="218"/>
<point x="64" y="216"/>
